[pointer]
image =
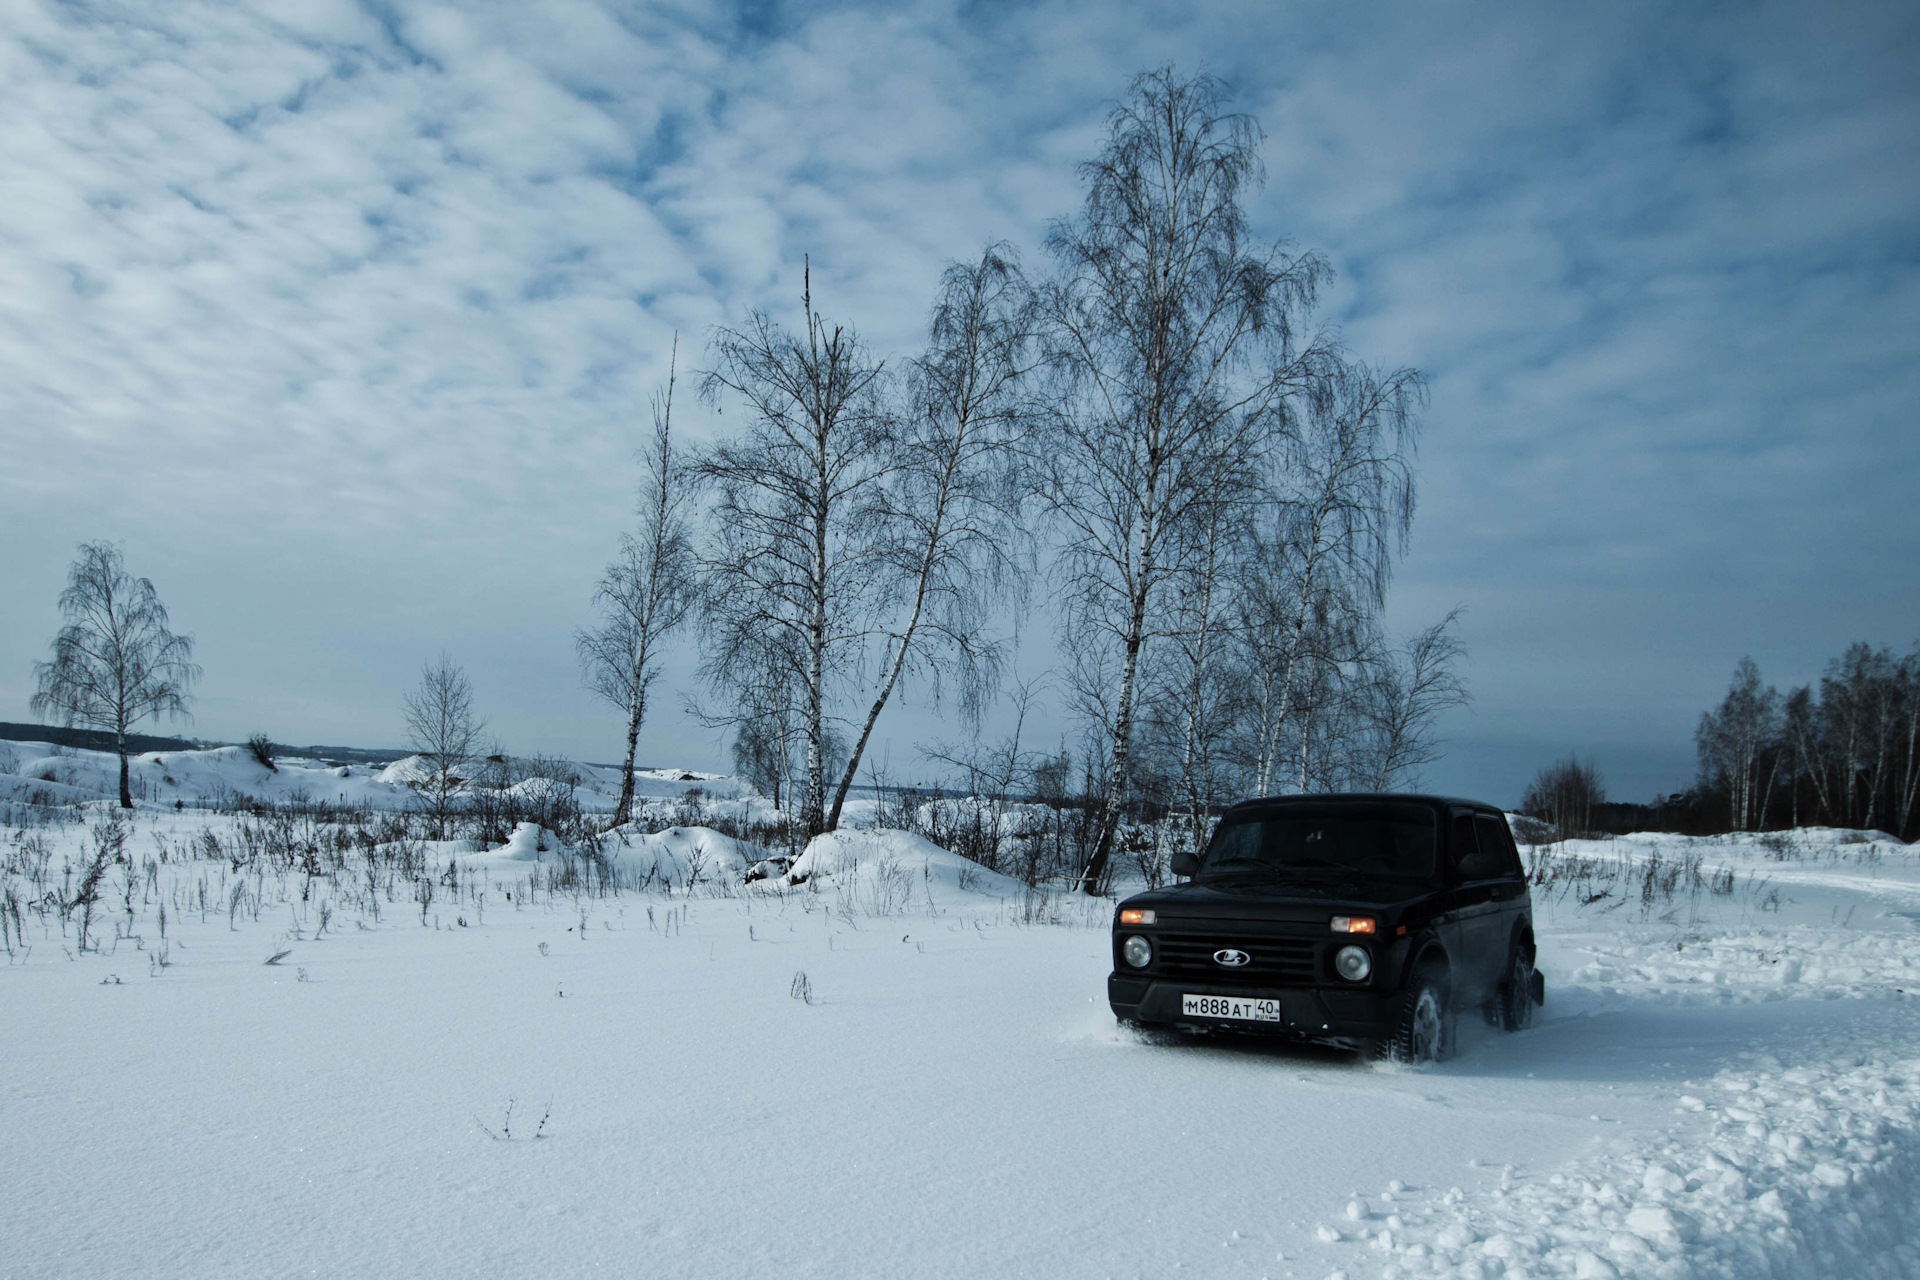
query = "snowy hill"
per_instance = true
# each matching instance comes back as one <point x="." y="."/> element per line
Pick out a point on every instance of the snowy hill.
<point x="228" y="776"/>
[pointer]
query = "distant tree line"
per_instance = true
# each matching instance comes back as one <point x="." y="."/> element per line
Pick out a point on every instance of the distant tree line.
<point x="91" y="739"/>
<point x="1844" y="752"/>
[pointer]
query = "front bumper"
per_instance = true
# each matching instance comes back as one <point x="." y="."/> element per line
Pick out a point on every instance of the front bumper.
<point x="1333" y="1014"/>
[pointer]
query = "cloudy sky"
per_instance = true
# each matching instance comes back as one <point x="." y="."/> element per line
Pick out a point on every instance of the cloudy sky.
<point x="342" y="318"/>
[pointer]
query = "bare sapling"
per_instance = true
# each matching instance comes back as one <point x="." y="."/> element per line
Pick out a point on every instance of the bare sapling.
<point x="647" y="592"/>
<point x="445" y="732"/>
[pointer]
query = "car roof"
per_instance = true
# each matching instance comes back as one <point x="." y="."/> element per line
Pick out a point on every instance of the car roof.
<point x="1396" y="797"/>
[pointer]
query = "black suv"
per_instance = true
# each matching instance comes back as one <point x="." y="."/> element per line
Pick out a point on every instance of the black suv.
<point x="1358" y="920"/>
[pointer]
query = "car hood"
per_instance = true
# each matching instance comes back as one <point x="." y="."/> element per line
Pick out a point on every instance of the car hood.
<point x="1230" y="899"/>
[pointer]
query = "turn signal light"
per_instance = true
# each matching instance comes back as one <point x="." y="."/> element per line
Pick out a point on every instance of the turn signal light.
<point x="1355" y="924"/>
<point x="1134" y="915"/>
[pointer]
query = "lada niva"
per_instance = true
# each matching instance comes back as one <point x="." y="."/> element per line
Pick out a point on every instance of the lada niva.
<point x="1366" y="921"/>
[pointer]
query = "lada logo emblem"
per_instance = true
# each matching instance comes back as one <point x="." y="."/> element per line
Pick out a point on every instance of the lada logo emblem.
<point x="1231" y="958"/>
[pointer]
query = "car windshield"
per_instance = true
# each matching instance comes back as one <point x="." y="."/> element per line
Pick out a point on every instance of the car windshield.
<point x="1369" y="841"/>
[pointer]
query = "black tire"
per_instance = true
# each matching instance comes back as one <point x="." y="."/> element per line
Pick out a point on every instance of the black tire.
<point x="1516" y="992"/>
<point x="1425" y="1031"/>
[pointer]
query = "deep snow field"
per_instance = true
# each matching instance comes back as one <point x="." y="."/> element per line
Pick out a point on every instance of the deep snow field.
<point x="905" y="1066"/>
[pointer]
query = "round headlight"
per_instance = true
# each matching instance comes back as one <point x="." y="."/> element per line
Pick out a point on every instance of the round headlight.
<point x="1353" y="963"/>
<point x="1137" y="951"/>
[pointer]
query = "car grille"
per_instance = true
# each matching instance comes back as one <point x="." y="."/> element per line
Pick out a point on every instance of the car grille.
<point x="1190" y="955"/>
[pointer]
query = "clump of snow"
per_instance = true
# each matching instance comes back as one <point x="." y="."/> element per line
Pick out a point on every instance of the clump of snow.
<point x="528" y="841"/>
<point x="1793" y="1171"/>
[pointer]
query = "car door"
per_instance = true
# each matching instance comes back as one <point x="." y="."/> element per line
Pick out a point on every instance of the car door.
<point x="1474" y="874"/>
<point x="1510" y="883"/>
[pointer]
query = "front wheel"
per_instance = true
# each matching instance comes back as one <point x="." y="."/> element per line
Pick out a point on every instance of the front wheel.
<point x="1422" y="1035"/>
<point x="1516" y="992"/>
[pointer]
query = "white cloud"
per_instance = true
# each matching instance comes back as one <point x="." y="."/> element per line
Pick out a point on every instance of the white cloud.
<point x="354" y="308"/>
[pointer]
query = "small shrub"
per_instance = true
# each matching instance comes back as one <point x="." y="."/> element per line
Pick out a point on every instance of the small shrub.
<point x="1531" y="830"/>
<point x="260" y="747"/>
<point x="109" y="845"/>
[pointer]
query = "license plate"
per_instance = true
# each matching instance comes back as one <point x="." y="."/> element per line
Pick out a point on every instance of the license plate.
<point x="1230" y="1007"/>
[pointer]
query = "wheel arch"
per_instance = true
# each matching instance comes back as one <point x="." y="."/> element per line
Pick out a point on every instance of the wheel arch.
<point x="1427" y="950"/>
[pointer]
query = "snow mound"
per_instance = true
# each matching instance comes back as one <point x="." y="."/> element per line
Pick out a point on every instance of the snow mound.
<point x="881" y="872"/>
<point x="528" y="841"/>
<point x="34" y="789"/>
<point x="405" y="772"/>
<point x="679" y="857"/>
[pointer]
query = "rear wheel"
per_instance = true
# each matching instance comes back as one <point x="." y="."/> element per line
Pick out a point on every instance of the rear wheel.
<point x="1516" y="992"/>
<point x="1423" y="1033"/>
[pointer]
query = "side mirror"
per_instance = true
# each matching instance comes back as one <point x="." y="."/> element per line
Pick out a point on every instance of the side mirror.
<point x="1183" y="863"/>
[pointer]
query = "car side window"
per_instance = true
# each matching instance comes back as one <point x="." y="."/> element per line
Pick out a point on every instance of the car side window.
<point x="1495" y="837"/>
<point x="1465" y="854"/>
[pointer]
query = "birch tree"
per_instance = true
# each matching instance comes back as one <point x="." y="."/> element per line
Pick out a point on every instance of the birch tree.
<point x="1908" y="732"/>
<point x="647" y="591"/>
<point x="1174" y="343"/>
<point x="1203" y="695"/>
<point x="1854" y="747"/>
<point x="794" y="564"/>
<point x="1341" y="505"/>
<point x="1733" y="741"/>
<point x="1406" y="692"/>
<point x="947" y="517"/>
<point x="115" y="662"/>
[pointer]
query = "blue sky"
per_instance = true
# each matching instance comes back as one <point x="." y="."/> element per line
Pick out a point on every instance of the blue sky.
<point x="342" y="318"/>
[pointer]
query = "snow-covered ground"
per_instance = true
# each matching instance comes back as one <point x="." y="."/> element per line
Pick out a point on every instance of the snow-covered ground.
<point x="491" y="1063"/>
